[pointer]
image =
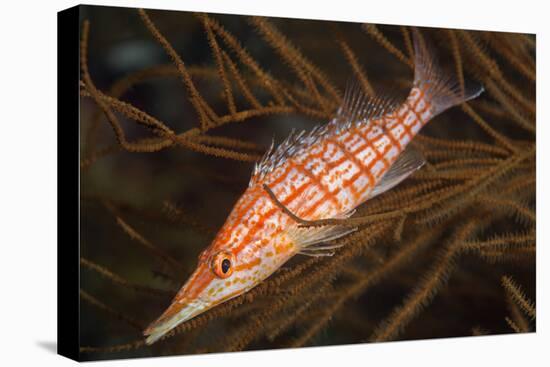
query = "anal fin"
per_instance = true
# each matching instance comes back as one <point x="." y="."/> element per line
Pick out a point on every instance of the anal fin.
<point x="409" y="161"/>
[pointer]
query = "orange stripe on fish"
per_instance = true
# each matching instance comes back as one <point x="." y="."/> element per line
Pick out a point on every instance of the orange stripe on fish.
<point x="350" y="157"/>
<point x="248" y="265"/>
<point x="392" y="138"/>
<point x="315" y="180"/>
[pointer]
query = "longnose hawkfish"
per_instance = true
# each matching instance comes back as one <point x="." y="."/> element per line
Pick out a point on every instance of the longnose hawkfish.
<point x="326" y="173"/>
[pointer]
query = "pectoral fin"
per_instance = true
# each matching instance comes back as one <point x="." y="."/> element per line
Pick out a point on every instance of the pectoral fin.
<point x="308" y="236"/>
<point x="312" y="240"/>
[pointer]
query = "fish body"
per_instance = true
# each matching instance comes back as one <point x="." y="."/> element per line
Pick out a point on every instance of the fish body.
<point x="326" y="173"/>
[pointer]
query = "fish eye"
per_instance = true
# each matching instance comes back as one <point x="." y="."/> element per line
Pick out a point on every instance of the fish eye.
<point x="226" y="265"/>
<point x="222" y="264"/>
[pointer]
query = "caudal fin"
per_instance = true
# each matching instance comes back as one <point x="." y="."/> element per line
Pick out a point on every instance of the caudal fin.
<point x="442" y="89"/>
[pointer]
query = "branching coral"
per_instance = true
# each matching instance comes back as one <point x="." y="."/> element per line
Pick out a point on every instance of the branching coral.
<point x="467" y="218"/>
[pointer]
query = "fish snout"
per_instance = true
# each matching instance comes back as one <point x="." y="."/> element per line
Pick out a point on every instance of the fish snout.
<point x="188" y="303"/>
<point x="178" y="312"/>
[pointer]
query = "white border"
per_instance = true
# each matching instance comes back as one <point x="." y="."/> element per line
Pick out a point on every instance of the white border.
<point x="28" y="181"/>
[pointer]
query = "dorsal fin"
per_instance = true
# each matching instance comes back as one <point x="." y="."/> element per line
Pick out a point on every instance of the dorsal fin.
<point x="406" y="164"/>
<point x="291" y="146"/>
<point x="358" y="107"/>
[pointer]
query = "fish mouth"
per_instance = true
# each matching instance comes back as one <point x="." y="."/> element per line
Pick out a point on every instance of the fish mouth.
<point x="178" y="312"/>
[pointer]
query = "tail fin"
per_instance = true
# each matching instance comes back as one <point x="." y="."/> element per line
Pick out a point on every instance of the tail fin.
<point x="442" y="89"/>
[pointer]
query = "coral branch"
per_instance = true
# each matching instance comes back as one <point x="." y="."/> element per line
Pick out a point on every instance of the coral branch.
<point x="516" y="293"/>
